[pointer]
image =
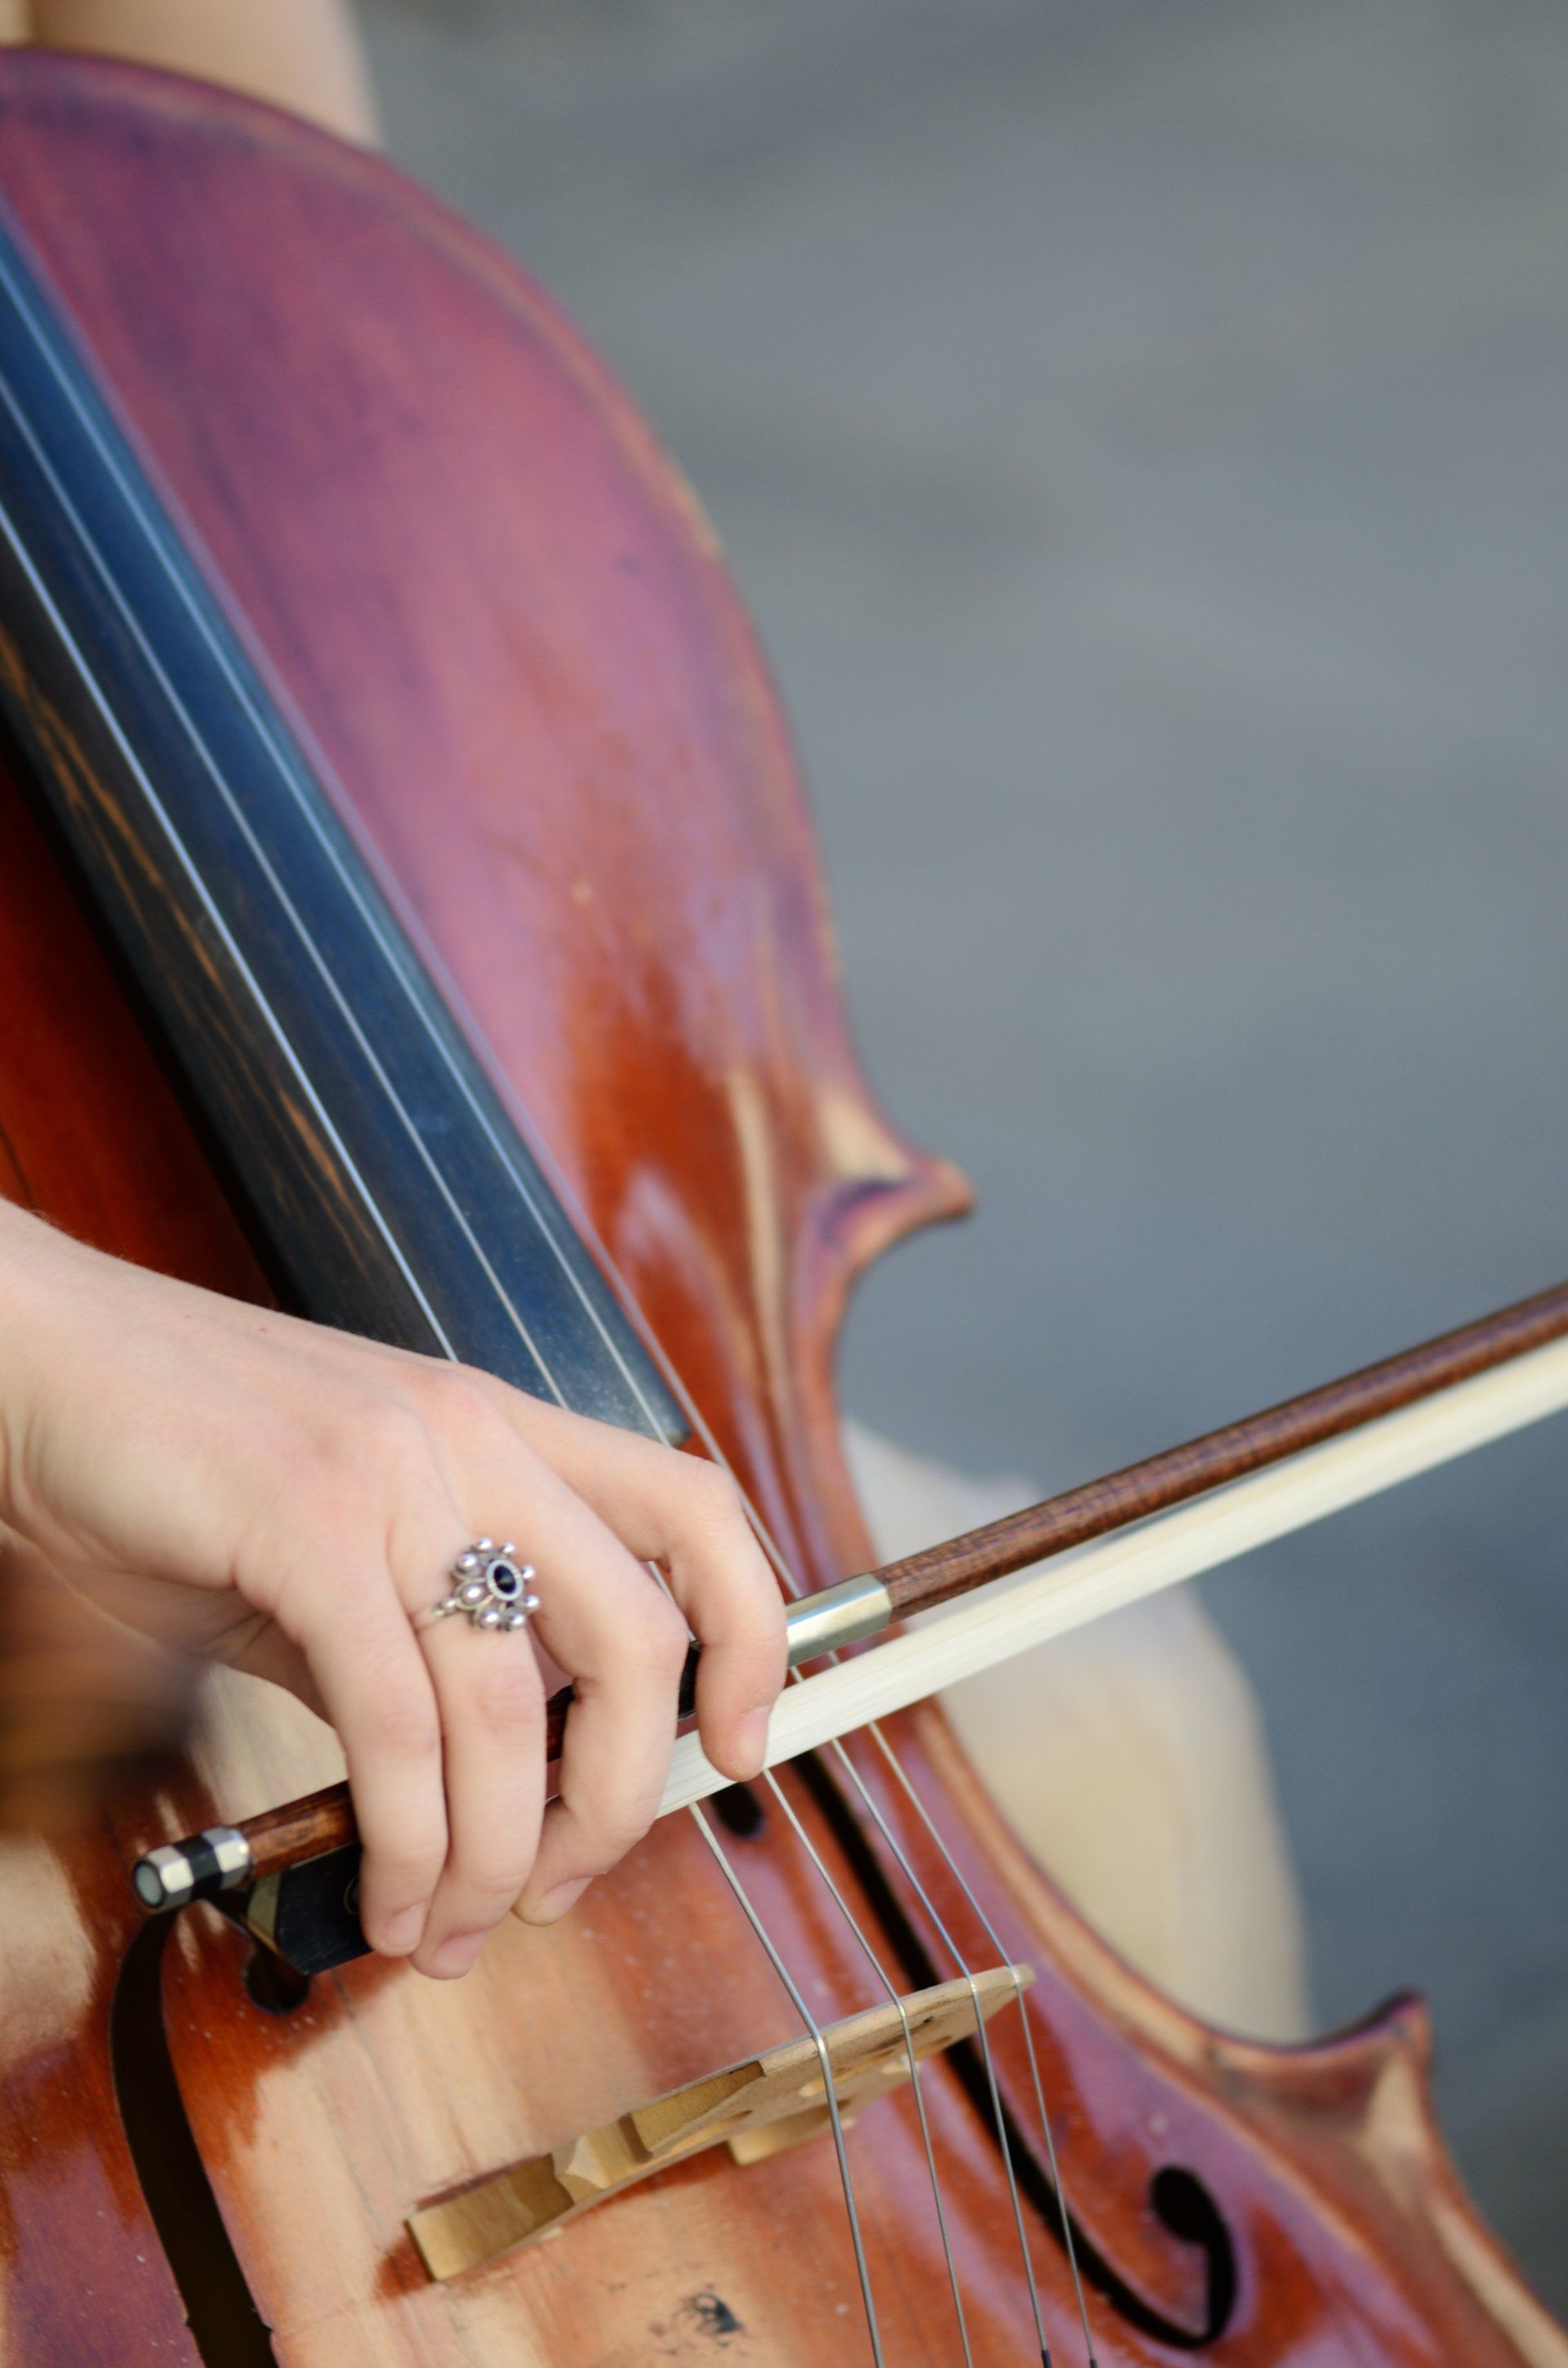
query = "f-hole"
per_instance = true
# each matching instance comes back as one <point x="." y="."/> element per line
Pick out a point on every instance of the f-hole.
<point x="226" y="2328"/>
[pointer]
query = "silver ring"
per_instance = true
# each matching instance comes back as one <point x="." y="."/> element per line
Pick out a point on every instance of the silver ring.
<point x="491" y="1586"/>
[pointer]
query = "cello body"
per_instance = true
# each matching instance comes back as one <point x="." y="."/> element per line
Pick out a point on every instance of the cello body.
<point x="491" y="608"/>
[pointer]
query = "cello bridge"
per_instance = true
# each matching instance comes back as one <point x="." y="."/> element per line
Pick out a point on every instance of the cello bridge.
<point x="756" y="2108"/>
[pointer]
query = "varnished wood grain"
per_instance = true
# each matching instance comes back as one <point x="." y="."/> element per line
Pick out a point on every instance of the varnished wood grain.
<point x="494" y="607"/>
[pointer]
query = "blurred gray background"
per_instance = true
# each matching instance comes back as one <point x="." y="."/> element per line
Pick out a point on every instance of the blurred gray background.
<point x="1139" y="426"/>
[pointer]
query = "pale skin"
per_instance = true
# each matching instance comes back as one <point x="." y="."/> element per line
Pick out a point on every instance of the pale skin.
<point x="281" y="1498"/>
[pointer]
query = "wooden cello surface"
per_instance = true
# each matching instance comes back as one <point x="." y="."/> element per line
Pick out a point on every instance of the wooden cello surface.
<point x="493" y="611"/>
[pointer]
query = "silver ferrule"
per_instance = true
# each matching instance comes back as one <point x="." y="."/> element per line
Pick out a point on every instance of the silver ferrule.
<point x="839" y="1615"/>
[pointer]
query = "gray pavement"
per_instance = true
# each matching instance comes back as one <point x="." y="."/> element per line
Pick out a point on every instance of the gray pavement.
<point x="1140" y="432"/>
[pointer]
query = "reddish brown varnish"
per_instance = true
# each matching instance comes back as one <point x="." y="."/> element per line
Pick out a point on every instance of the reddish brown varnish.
<point x="499" y="609"/>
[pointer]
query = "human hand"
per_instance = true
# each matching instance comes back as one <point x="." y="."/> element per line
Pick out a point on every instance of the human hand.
<point x="283" y="1498"/>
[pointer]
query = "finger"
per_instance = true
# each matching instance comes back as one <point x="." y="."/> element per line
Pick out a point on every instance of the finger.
<point x="730" y="1596"/>
<point x="607" y="1623"/>
<point x="377" y="1694"/>
<point x="491" y="1701"/>
<point x="688" y="1515"/>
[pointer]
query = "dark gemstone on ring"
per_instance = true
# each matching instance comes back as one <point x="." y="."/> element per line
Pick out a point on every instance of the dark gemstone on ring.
<point x="504" y="1580"/>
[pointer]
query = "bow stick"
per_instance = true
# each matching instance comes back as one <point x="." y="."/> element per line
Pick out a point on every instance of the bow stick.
<point x="1334" y="1446"/>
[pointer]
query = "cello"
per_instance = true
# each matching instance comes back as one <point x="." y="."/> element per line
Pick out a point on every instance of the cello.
<point x="411" y="897"/>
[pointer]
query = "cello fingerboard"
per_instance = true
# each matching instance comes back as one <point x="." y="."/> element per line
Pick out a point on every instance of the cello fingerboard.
<point x="394" y="1186"/>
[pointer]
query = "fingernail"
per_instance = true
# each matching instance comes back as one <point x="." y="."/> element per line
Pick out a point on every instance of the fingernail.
<point x="402" y="1931"/>
<point x="554" y="1904"/>
<point x="754" y="1740"/>
<point x="456" y="1954"/>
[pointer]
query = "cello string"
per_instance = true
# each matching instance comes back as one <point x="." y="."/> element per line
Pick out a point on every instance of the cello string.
<point x="794" y="1588"/>
<point x="263" y="725"/>
<point x="776" y="1957"/>
<point x="875" y="1731"/>
<point x="775" y="1556"/>
<point x="848" y="1913"/>
<point x="981" y="2034"/>
<point x="914" y="2070"/>
<point x="306" y="938"/>
<point x="830" y="2091"/>
<point x="793" y="1585"/>
<point x="221" y="928"/>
